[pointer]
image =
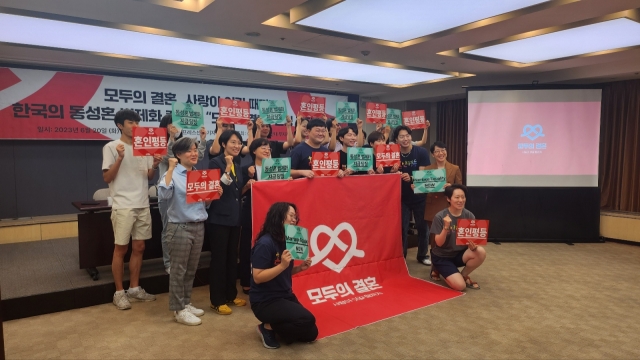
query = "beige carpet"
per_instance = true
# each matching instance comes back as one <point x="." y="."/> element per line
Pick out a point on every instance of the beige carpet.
<point x="542" y="301"/>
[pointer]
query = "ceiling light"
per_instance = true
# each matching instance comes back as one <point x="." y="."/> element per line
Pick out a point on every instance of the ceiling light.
<point x="603" y="36"/>
<point x="253" y="33"/>
<point x="403" y="20"/>
<point x="90" y="38"/>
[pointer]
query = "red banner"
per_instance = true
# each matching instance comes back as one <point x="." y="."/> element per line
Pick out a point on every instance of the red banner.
<point x="387" y="155"/>
<point x="234" y="111"/>
<point x="376" y="113"/>
<point x="472" y="230"/>
<point x="202" y="185"/>
<point x="325" y="163"/>
<point x="149" y="141"/>
<point x="358" y="275"/>
<point x="312" y="106"/>
<point x="414" y="119"/>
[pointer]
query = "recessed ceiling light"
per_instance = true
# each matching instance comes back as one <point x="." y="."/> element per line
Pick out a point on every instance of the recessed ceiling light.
<point x="222" y="53"/>
<point x="602" y="36"/>
<point x="403" y="20"/>
<point x="253" y="33"/>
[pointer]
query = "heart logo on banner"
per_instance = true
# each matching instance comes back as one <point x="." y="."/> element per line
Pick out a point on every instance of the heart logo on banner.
<point x="532" y="132"/>
<point x="334" y="240"/>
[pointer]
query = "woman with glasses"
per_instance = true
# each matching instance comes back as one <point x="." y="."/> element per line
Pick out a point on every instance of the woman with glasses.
<point x="260" y="149"/>
<point x="436" y="202"/>
<point x="272" y="300"/>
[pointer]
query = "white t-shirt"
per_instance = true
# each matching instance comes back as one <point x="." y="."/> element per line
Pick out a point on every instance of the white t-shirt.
<point x="130" y="188"/>
<point x="258" y="172"/>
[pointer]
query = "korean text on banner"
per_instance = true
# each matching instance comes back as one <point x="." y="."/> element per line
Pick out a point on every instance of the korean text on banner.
<point x="472" y="230"/>
<point x="359" y="159"/>
<point x="149" y="141"/>
<point x="325" y="163"/>
<point x="273" y="112"/>
<point x="187" y="117"/>
<point x="202" y="185"/>
<point x="394" y="117"/>
<point x="276" y="169"/>
<point x="313" y="106"/>
<point x="387" y="155"/>
<point x="234" y="111"/>
<point x="346" y="112"/>
<point x="358" y="275"/>
<point x="376" y="113"/>
<point x="414" y="119"/>
<point x="429" y="181"/>
<point x="297" y="241"/>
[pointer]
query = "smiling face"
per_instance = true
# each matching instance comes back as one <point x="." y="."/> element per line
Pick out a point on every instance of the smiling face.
<point x="404" y="139"/>
<point x="305" y="131"/>
<point x="349" y="139"/>
<point x="458" y="199"/>
<point x="190" y="158"/>
<point x="440" y="154"/>
<point x="263" y="152"/>
<point x="233" y="147"/>
<point x="292" y="217"/>
<point x="264" y="130"/>
<point x="317" y="135"/>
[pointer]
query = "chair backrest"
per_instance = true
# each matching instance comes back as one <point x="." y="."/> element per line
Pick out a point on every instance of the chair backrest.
<point x="153" y="191"/>
<point x="101" y="194"/>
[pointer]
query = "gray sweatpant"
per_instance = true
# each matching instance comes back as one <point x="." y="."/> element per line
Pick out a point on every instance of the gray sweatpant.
<point x="185" y="244"/>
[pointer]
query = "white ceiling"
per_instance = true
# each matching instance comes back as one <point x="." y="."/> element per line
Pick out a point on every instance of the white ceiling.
<point x="231" y="19"/>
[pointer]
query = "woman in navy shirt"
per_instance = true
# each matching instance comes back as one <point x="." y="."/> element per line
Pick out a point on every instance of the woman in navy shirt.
<point x="272" y="299"/>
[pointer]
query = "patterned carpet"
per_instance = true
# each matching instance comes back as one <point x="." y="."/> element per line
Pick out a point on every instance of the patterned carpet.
<point x="542" y="301"/>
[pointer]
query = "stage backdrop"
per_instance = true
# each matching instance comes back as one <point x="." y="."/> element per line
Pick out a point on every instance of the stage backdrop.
<point x="359" y="275"/>
<point x="37" y="104"/>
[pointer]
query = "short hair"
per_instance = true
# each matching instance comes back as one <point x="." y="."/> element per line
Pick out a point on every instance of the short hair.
<point x="315" y="123"/>
<point x="375" y="136"/>
<point x="225" y="136"/>
<point x="448" y="191"/>
<point x="126" y="114"/>
<point x="397" y="130"/>
<point x="439" y="144"/>
<point x="182" y="146"/>
<point x="343" y="132"/>
<point x="166" y="120"/>
<point x="255" y="145"/>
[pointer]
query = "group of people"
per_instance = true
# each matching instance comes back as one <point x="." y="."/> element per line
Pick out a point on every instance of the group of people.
<point x="265" y="269"/>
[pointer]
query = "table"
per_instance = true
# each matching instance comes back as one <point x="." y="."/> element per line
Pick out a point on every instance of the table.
<point x="96" y="241"/>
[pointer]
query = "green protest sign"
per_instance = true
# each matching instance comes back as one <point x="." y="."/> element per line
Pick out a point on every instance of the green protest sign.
<point x="359" y="159"/>
<point x="276" y="169"/>
<point x="273" y="112"/>
<point x="186" y="116"/>
<point x="429" y="181"/>
<point x="394" y="117"/>
<point x="346" y="112"/>
<point x="297" y="241"/>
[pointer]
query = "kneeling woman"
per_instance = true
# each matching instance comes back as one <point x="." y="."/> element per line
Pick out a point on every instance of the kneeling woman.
<point x="272" y="300"/>
<point x="184" y="230"/>
<point x="446" y="256"/>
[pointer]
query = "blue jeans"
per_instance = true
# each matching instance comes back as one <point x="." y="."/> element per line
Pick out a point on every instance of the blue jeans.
<point x="416" y="206"/>
<point x="163" y="206"/>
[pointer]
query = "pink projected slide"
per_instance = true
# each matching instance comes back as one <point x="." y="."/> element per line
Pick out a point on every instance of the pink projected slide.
<point x="533" y="138"/>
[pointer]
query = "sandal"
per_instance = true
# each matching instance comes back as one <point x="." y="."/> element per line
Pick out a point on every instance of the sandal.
<point x="435" y="275"/>
<point x="470" y="283"/>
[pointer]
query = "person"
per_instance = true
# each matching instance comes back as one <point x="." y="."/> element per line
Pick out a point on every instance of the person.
<point x="221" y="127"/>
<point x="386" y="129"/>
<point x="223" y="226"/>
<point x="347" y="139"/>
<point x="447" y="256"/>
<point x="174" y="134"/>
<point x="378" y="138"/>
<point x="278" y="148"/>
<point x="260" y="149"/>
<point x="437" y="201"/>
<point x="302" y="133"/>
<point x="412" y="158"/>
<point x="272" y="300"/>
<point x="184" y="230"/>
<point x="128" y="178"/>
<point x="301" y="154"/>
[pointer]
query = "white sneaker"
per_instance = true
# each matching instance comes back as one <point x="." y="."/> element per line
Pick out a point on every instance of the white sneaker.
<point x="140" y="295"/>
<point x="194" y="310"/>
<point x="187" y="318"/>
<point x="426" y="261"/>
<point x="121" y="301"/>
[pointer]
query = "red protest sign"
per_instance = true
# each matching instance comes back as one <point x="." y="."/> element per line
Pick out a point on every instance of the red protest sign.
<point x="149" y="141"/>
<point x="234" y="111"/>
<point x="325" y="163"/>
<point x="312" y="106"/>
<point x="472" y="230"/>
<point x="376" y="113"/>
<point x="202" y="185"/>
<point x="414" y="119"/>
<point x="387" y="154"/>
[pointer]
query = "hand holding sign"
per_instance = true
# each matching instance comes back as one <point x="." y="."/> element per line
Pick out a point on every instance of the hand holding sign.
<point x="297" y="241"/>
<point x="285" y="258"/>
<point x="429" y="181"/>
<point x="472" y="231"/>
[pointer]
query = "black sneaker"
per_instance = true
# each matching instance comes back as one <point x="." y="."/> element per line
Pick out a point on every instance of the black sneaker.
<point x="268" y="337"/>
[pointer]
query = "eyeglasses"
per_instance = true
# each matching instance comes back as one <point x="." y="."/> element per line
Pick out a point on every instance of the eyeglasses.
<point x="293" y="217"/>
<point x="265" y="147"/>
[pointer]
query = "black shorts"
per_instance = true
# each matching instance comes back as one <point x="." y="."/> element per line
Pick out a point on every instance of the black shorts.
<point x="447" y="266"/>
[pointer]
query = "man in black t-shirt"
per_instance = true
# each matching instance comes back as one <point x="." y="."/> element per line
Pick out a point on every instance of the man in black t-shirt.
<point x="301" y="154"/>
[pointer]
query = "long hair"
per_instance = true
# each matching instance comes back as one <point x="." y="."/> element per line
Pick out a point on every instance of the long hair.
<point x="274" y="222"/>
